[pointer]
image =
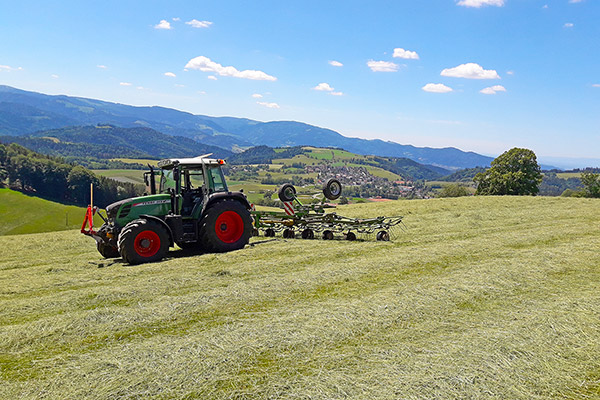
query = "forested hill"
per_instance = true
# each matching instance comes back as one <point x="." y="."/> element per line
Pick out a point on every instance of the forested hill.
<point x="108" y="141"/>
<point x="54" y="179"/>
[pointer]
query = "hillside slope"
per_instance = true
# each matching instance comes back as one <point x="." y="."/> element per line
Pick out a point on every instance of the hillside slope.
<point x="480" y="297"/>
<point x="23" y="112"/>
<point x="20" y="214"/>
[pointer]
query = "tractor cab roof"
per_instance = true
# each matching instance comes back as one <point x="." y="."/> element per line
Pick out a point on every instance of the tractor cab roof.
<point x="170" y="163"/>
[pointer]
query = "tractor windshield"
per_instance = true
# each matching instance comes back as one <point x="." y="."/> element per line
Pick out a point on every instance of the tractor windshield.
<point x="166" y="181"/>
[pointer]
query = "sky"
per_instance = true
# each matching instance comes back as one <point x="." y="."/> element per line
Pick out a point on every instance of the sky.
<point x="479" y="75"/>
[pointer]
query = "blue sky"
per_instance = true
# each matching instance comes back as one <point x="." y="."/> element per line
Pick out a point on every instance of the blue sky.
<point x="480" y="75"/>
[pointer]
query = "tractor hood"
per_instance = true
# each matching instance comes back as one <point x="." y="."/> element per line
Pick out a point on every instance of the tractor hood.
<point x="125" y="210"/>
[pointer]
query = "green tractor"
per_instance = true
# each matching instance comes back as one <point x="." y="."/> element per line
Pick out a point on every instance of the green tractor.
<point x="192" y="208"/>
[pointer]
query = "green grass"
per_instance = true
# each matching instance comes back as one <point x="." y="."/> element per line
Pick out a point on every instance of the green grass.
<point x="122" y="175"/>
<point x="480" y="297"/>
<point x="20" y="214"/>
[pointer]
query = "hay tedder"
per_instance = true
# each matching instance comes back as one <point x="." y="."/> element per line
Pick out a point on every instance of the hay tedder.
<point x="311" y="220"/>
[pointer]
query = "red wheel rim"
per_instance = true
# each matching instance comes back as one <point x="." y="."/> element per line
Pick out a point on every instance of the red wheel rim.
<point x="147" y="243"/>
<point x="229" y="227"/>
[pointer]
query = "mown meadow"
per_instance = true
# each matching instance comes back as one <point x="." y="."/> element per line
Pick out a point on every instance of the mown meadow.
<point x="478" y="297"/>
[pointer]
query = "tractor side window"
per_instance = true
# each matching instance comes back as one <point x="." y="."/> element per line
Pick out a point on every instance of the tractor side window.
<point x="218" y="181"/>
<point x="166" y="181"/>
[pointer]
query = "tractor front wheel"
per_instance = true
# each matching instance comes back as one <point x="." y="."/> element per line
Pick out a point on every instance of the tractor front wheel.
<point x="107" y="251"/>
<point x="225" y="226"/>
<point x="143" y="241"/>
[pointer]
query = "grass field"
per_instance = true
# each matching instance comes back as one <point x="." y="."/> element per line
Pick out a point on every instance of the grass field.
<point x="480" y="297"/>
<point x="21" y="214"/>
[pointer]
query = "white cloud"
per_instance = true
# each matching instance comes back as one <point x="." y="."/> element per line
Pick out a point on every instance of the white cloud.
<point x="406" y="54"/>
<point x="102" y="66"/>
<point x="140" y="88"/>
<point x="207" y="65"/>
<point x="54" y="76"/>
<point x="125" y="84"/>
<point x="470" y="71"/>
<point x="596" y="85"/>
<point x="334" y="63"/>
<point x="511" y="72"/>
<point x="268" y="105"/>
<point x="179" y="85"/>
<point x="257" y="96"/>
<point x="568" y="25"/>
<point x="545" y="7"/>
<point x="212" y="77"/>
<point x="199" y="24"/>
<point x="575" y="1"/>
<point x="336" y="93"/>
<point x="382" y="66"/>
<point x="170" y="74"/>
<point x="436" y="88"/>
<point x="163" y="24"/>
<point x="176" y="19"/>
<point x="479" y="3"/>
<point x="493" y="89"/>
<point x="9" y="68"/>
<point x="323" y="87"/>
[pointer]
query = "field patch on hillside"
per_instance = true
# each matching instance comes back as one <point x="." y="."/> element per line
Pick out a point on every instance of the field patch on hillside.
<point x="480" y="297"/>
<point x="20" y="214"/>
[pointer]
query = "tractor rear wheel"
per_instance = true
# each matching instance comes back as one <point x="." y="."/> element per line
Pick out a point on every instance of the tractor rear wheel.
<point x="107" y="251"/>
<point x="225" y="226"/>
<point x="142" y="241"/>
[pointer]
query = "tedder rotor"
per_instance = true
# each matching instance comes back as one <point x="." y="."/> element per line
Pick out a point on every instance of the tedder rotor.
<point x="311" y="220"/>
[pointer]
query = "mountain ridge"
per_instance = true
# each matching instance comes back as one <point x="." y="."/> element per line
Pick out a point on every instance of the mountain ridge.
<point x="24" y="112"/>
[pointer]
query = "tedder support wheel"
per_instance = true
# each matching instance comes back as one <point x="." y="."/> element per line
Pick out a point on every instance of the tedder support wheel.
<point x="350" y="236"/>
<point x="308" y="234"/>
<point x="107" y="251"/>
<point x="332" y="189"/>
<point x="289" y="234"/>
<point x="226" y="226"/>
<point x="327" y="235"/>
<point x="270" y="232"/>
<point x="287" y="192"/>
<point x="383" y="236"/>
<point x="143" y="240"/>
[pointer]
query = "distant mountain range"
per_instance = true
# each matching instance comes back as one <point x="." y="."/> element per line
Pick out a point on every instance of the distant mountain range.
<point x="108" y="141"/>
<point x="23" y="113"/>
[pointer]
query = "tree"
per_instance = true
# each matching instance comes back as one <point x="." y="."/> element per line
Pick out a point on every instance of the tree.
<point x="591" y="184"/>
<point x="515" y="172"/>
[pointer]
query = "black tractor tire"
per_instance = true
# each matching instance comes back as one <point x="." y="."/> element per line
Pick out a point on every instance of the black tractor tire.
<point x="142" y="241"/>
<point x="107" y="251"/>
<point x="225" y="226"/>
<point x="332" y="189"/>
<point x="287" y="192"/>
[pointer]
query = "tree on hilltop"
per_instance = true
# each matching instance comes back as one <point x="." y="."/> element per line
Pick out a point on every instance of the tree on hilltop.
<point x="591" y="183"/>
<point x="515" y="172"/>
